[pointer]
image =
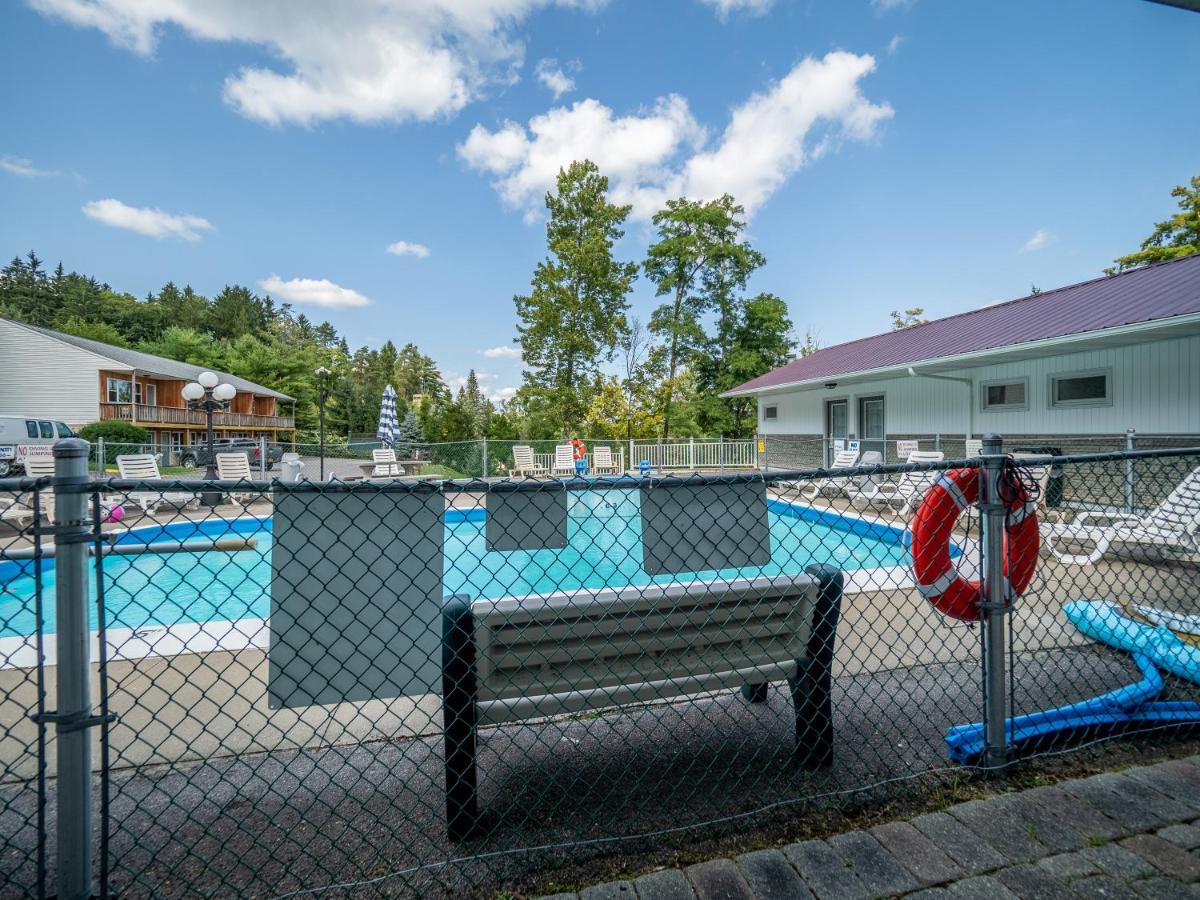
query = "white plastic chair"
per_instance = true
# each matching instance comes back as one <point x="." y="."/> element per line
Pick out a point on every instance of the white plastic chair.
<point x="525" y="463"/>
<point x="603" y="462"/>
<point x="903" y="494"/>
<point x="564" y="460"/>
<point x="385" y="467"/>
<point x="236" y="467"/>
<point x="1174" y="524"/>
<point x="144" y="467"/>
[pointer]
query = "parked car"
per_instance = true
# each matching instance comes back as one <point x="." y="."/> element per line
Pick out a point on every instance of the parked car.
<point x="197" y="454"/>
<point x="22" y="436"/>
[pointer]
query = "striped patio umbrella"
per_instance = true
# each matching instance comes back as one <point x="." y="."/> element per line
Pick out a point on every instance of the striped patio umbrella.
<point x="389" y="428"/>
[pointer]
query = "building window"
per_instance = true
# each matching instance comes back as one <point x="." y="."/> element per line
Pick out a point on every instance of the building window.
<point x="119" y="391"/>
<point x="1002" y="395"/>
<point x="147" y="391"/>
<point x="1081" y="388"/>
<point x="770" y="412"/>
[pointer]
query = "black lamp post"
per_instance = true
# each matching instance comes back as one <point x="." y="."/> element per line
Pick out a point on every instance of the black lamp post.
<point x="322" y="374"/>
<point x="210" y="394"/>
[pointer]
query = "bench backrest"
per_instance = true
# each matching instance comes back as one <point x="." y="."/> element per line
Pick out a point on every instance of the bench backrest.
<point x="560" y="644"/>
<point x="138" y="466"/>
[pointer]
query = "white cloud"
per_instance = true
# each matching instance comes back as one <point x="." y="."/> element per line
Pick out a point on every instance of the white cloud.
<point x="504" y="351"/>
<point x="15" y="165"/>
<point x="726" y="7"/>
<point x="894" y="44"/>
<point x="662" y="151"/>
<point x="313" y="292"/>
<point x="889" y="5"/>
<point x="146" y="220"/>
<point x="405" y="248"/>
<point x="364" y="60"/>
<point x="503" y="394"/>
<point x="552" y="76"/>
<point x="1041" y="238"/>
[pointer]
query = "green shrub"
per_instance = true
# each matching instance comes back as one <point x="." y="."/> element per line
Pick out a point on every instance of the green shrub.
<point x="118" y="436"/>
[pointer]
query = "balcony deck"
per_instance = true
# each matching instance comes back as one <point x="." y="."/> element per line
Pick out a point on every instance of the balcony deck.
<point x="140" y="414"/>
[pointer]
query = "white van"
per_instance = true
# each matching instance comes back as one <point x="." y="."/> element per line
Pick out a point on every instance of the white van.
<point x="22" y="436"/>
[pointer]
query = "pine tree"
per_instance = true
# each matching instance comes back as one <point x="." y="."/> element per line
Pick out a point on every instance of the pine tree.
<point x="574" y="315"/>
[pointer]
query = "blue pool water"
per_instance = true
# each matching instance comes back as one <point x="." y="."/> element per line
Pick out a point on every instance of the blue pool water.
<point x="604" y="550"/>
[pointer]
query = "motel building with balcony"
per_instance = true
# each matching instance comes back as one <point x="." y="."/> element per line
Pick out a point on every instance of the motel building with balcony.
<point x="46" y="374"/>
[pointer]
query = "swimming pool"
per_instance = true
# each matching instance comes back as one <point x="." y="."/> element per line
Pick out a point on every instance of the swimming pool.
<point x="604" y="550"/>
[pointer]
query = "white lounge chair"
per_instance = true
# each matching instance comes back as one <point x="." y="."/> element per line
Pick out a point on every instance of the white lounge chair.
<point x="843" y="459"/>
<point x="16" y="511"/>
<point x="903" y="494"/>
<point x="1174" y="525"/>
<point x="564" y="460"/>
<point x="236" y="467"/>
<point x="603" y="462"/>
<point x="385" y="464"/>
<point x="525" y="463"/>
<point x="144" y="467"/>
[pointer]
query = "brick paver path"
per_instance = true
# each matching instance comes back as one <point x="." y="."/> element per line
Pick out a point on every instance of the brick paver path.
<point x="1132" y="834"/>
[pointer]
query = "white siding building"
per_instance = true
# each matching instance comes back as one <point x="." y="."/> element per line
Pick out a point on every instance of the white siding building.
<point x="1075" y="368"/>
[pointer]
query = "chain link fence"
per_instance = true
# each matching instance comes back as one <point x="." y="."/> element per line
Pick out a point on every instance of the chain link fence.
<point x="455" y="686"/>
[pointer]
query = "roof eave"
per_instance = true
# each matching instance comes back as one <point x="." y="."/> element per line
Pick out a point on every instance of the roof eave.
<point x="965" y="358"/>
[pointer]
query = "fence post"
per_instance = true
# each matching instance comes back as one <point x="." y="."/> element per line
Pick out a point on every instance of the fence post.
<point x="100" y="458"/>
<point x="632" y="461"/>
<point x="992" y="605"/>
<point x="937" y="441"/>
<point x="262" y="457"/>
<point x="485" y="459"/>
<point x="721" y="453"/>
<point x="73" y="715"/>
<point x="1130" y="474"/>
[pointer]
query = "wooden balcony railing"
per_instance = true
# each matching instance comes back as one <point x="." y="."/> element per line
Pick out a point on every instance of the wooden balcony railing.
<point x="175" y="415"/>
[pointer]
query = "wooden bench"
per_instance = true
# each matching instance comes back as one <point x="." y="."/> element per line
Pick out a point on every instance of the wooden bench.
<point x="521" y="658"/>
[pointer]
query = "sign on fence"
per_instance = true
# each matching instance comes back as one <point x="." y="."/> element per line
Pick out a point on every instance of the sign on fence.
<point x="696" y="528"/>
<point x="526" y="520"/>
<point x="356" y="593"/>
<point x="905" y="449"/>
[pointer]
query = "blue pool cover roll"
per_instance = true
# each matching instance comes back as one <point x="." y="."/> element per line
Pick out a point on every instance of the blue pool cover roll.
<point x="1130" y="706"/>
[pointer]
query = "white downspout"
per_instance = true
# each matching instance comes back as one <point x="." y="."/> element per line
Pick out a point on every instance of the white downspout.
<point x="970" y="383"/>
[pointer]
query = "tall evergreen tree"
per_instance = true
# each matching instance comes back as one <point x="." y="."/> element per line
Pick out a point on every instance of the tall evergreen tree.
<point x="574" y="314"/>
<point x="700" y="262"/>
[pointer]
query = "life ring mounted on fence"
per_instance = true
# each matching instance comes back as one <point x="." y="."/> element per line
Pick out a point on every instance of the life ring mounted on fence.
<point x="937" y="580"/>
<point x="579" y="448"/>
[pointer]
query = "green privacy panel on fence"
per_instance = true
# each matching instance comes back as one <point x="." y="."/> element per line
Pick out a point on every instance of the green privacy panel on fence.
<point x="356" y="588"/>
<point x="527" y="520"/>
<point x="698" y="527"/>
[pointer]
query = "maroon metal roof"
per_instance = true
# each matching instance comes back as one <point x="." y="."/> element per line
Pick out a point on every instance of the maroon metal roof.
<point x="1141" y="295"/>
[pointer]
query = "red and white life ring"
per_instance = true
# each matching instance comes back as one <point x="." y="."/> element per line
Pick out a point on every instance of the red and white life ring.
<point x="950" y="593"/>
<point x="580" y="448"/>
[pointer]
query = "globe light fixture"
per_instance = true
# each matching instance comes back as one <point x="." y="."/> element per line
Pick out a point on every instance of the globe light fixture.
<point x="209" y="394"/>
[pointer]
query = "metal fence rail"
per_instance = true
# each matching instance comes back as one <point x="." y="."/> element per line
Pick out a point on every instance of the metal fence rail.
<point x="449" y="686"/>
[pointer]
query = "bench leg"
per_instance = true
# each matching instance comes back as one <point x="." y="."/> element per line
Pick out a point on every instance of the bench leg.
<point x="755" y="693"/>
<point x="458" y="718"/>
<point x="812" y="687"/>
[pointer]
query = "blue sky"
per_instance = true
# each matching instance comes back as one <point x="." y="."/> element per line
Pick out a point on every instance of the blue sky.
<point x="894" y="154"/>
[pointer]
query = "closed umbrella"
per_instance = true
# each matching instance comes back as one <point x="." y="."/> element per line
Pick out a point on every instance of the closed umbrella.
<point x="389" y="428"/>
